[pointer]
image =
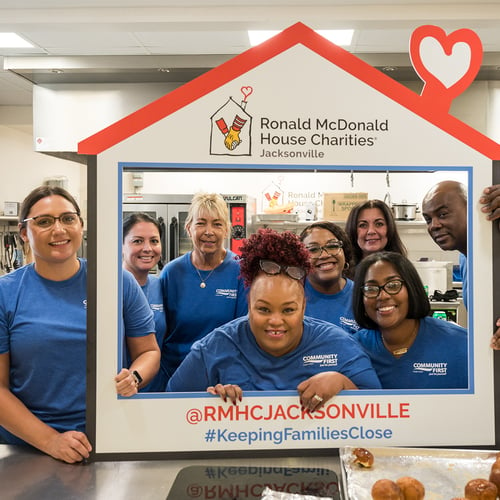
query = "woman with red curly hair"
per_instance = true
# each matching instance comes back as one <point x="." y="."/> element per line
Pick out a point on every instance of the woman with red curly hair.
<point x="275" y="347"/>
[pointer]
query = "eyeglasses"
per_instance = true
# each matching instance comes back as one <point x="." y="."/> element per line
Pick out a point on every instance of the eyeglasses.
<point x="391" y="287"/>
<point x="47" y="221"/>
<point x="273" y="268"/>
<point x="331" y="248"/>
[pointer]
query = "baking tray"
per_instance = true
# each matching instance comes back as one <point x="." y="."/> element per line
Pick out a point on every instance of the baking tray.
<point x="444" y="473"/>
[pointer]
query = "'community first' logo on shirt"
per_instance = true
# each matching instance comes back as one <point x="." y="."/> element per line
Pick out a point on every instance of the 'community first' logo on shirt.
<point x="229" y="293"/>
<point x="320" y="360"/>
<point x="431" y="368"/>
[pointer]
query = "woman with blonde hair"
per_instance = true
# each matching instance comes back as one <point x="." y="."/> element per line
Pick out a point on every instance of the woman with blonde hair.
<point x="201" y="289"/>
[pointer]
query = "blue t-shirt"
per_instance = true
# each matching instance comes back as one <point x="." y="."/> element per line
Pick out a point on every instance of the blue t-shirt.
<point x="437" y="359"/>
<point x="335" y="308"/>
<point x="231" y="355"/>
<point x="192" y="311"/>
<point x="43" y="327"/>
<point x="152" y="290"/>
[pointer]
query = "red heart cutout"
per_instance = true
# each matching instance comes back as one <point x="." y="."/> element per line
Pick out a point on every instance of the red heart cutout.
<point x="434" y="89"/>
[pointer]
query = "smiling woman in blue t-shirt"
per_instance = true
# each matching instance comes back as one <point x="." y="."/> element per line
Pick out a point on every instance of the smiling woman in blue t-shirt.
<point x="408" y="349"/>
<point x="328" y="289"/>
<point x="276" y="347"/>
<point x="43" y="333"/>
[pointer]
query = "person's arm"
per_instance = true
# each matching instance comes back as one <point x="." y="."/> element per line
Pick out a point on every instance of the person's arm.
<point x="315" y="391"/>
<point x="495" y="340"/>
<point x="145" y="356"/>
<point x="491" y="206"/>
<point x="490" y="200"/>
<point x="70" y="446"/>
<point x="191" y="375"/>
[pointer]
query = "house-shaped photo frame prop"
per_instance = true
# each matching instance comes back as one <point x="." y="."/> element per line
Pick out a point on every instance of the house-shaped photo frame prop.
<point x="296" y="103"/>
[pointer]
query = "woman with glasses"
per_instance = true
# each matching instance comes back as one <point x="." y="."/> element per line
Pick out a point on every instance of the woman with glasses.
<point x="201" y="289"/>
<point x="328" y="289"/>
<point x="275" y="347"/>
<point x="141" y="251"/>
<point x="371" y="228"/>
<point x="408" y="348"/>
<point x="43" y="333"/>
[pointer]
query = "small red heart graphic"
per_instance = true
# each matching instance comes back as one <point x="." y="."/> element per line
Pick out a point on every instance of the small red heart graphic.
<point x="246" y="91"/>
<point x="447" y="64"/>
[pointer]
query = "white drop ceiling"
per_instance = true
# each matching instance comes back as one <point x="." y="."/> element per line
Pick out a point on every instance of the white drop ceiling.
<point x="167" y="40"/>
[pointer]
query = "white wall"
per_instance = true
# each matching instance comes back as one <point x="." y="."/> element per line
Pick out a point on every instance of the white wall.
<point x="21" y="168"/>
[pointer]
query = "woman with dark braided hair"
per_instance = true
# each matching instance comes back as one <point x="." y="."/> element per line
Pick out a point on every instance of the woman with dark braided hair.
<point x="275" y="347"/>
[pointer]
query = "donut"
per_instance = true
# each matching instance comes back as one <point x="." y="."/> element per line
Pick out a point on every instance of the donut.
<point x="411" y="488"/>
<point x="362" y="457"/>
<point x="480" y="489"/>
<point x="385" y="489"/>
<point x="495" y="475"/>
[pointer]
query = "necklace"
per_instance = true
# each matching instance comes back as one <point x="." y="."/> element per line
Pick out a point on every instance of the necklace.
<point x="202" y="281"/>
<point x="402" y="350"/>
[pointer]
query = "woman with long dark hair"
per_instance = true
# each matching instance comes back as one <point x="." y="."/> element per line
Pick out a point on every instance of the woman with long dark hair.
<point x="371" y="228"/>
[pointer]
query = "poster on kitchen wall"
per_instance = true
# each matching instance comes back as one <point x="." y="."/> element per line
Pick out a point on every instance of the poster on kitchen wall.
<point x="295" y="106"/>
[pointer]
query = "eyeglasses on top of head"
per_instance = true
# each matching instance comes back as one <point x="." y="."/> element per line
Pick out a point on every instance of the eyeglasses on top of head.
<point x="272" y="268"/>
<point x="47" y="221"/>
<point x="331" y="248"/>
<point x="392" y="287"/>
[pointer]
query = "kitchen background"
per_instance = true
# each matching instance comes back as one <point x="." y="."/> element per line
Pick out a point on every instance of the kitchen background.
<point x="307" y="196"/>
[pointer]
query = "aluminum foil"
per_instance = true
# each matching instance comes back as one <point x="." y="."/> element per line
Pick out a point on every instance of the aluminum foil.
<point x="444" y="473"/>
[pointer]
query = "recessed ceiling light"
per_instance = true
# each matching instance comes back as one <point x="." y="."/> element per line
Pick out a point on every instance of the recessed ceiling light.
<point x="339" y="37"/>
<point x="13" y="40"/>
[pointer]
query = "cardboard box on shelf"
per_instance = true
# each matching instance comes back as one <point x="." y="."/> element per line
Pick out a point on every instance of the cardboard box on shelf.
<point x="336" y="206"/>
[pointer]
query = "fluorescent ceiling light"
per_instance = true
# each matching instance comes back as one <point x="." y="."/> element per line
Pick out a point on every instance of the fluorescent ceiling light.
<point x="259" y="36"/>
<point x="13" y="40"/>
<point x="339" y="37"/>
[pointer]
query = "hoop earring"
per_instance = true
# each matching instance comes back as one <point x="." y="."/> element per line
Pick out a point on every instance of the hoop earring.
<point x="346" y="266"/>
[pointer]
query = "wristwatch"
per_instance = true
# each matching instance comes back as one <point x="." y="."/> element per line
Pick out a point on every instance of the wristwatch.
<point x="137" y="377"/>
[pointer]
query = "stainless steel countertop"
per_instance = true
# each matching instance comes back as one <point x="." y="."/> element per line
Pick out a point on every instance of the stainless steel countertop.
<point x="27" y="474"/>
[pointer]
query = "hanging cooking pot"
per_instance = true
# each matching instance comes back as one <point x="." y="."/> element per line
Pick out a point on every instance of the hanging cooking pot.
<point x="404" y="211"/>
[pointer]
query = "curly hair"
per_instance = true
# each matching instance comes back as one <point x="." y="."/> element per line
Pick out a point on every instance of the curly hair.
<point x="283" y="248"/>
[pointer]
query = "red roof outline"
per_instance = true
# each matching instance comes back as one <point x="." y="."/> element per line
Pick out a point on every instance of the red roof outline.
<point x="298" y="33"/>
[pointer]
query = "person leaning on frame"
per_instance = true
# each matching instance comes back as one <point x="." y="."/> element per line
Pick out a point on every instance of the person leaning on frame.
<point x="275" y="347"/>
<point x="43" y="333"/>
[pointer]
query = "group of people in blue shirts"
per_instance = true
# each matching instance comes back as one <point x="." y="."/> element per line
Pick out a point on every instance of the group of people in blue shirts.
<point x="320" y="312"/>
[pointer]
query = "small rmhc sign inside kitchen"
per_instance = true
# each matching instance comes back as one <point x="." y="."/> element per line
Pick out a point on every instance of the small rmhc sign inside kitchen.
<point x="299" y="103"/>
